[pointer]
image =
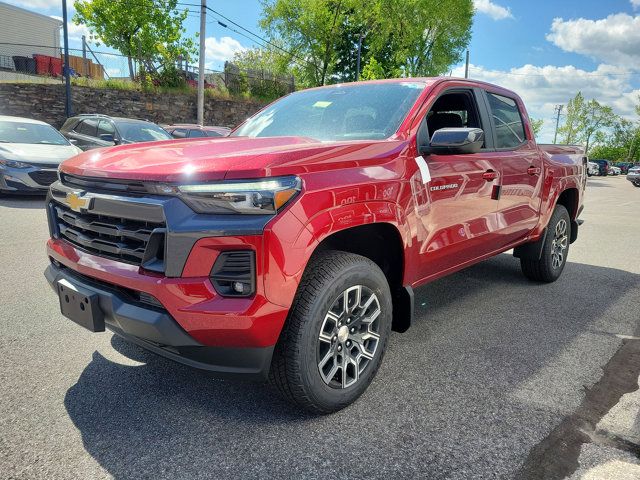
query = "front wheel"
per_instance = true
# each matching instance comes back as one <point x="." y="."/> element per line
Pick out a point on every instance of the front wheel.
<point x="554" y="251"/>
<point x="336" y="333"/>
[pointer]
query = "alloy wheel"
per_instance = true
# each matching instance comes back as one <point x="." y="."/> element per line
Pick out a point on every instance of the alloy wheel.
<point x="349" y="336"/>
<point x="559" y="244"/>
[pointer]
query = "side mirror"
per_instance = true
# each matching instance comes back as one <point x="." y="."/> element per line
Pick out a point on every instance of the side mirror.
<point x="456" y="141"/>
<point x="107" y="137"/>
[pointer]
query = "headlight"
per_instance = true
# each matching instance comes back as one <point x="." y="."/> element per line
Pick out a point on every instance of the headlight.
<point x="13" y="164"/>
<point x="261" y="197"/>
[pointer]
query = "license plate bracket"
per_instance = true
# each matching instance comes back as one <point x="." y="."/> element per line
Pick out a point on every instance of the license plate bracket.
<point x="80" y="305"/>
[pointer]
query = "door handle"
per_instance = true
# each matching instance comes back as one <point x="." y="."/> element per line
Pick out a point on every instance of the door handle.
<point x="533" y="170"/>
<point x="490" y="175"/>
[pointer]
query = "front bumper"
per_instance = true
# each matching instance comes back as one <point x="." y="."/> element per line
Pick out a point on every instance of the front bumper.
<point x="35" y="179"/>
<point x="153" y="328"/>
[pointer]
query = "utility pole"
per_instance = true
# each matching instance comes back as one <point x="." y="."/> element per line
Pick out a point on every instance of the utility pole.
<point x="67" y="80"/>
<point x="466" y="66"/>
<point x="203" y="35"/>
<point x="359" y="54"/>
<point x="558" y="109"/>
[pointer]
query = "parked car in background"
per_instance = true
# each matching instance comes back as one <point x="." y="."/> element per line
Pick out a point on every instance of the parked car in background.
<point x="30" y="152"/>
<point x="614" y="170"/>
<point x="633" y="175"/>
<point x="593" y="169"/>
<point x="603" y="166"/>
<point x="189" y="130"/>
<point x="89" y="131"/>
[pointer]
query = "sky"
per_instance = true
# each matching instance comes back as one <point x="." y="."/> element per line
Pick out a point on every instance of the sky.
<point x="546" y="51"/>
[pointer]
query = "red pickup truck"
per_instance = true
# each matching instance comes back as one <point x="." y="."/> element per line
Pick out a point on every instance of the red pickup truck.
<point x="290" y="249"/>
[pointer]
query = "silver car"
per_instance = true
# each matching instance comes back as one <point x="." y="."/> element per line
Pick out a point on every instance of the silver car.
<point x="633" y="175"/>
<point x="30" y="152"/>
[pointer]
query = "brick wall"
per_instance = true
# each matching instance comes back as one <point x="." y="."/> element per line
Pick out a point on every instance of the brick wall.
<point x="46" y="103"/>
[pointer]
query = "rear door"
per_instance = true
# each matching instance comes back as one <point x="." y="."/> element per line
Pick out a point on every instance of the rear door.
<point x="521" y="165"/>
<point x="456" y="208"/>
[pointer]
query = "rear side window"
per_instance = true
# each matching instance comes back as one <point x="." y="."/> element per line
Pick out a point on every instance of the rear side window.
<point x="508" y="122"/>
<point x="212" y="133"/>
<point x="87" y="127"/>
<point x="196" y="133"/>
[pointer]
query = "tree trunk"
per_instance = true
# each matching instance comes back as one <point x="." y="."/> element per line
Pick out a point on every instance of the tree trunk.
<point x="131" y="71"/>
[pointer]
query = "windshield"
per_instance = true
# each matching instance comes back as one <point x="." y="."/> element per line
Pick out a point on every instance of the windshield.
<point x="31" y="133"/>
<point x="142" y="132"/>
<point x="351" y="111"/>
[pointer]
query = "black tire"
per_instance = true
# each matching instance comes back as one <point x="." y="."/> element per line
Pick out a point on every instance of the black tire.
<point x="547" y="269"/>
<point x="295" y="369"/>
<point x="636" y="184"/>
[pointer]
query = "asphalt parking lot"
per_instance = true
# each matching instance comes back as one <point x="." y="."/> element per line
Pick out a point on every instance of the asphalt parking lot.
<point x="497" y="378"/>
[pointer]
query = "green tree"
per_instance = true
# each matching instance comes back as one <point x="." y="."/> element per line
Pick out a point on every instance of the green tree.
<point x="408" y="37"/>
<point x="536" y="125"/>
<point x="570" y="131"/>
<point x="149" y="29"/>
<point x="595" y="118"/>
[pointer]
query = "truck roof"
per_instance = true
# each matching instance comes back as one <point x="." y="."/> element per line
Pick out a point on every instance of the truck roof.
<point x="428" y="81"/>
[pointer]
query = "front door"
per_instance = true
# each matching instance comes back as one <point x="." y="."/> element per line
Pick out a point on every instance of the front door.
<point x="457" y="208"/>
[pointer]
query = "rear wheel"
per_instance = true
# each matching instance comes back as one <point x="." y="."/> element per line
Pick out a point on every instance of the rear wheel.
<point x="554" y="251"/>
<point x="336" y="334"/>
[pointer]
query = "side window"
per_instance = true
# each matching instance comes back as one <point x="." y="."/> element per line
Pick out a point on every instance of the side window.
<point x="87" y="127"/>
<point x="212" y="133"/>
<point x="179" y="133"/>
<point x="453" y="110"/>
<point x="506" y="116"/>
<point x="105" y="127"/>
<point x="196" y="133"/>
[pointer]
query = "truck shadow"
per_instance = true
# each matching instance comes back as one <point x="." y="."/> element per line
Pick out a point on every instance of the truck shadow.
<point x="22" y="201"/>
<point x="447" y="389"/>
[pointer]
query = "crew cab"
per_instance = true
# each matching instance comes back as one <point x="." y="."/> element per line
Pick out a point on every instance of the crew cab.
<point x="290" y="249"/>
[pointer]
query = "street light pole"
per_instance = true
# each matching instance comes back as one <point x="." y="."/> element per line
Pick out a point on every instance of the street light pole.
<point x="68" y="110"/>
<point x="203" y="34"/>
<point x="558" y="109"/>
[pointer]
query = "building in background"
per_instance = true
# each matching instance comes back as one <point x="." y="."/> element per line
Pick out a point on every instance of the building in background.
<point x="23" y="34"/>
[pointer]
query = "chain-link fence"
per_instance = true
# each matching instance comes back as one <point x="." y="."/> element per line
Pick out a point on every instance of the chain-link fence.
<point x="45" y="63"/>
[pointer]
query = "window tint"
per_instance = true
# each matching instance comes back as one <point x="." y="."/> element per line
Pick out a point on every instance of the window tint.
<point x="196" y="133"/>
<point x="105" y="127"/>
<point x="87" y="127"/>
<point x="506" y="116"/>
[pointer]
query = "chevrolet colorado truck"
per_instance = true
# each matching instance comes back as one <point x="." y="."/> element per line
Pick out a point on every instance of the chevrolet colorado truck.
<point x="290" y="249"/>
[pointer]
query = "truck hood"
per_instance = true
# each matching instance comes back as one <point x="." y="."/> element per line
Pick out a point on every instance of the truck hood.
<point x="225" y="158"/>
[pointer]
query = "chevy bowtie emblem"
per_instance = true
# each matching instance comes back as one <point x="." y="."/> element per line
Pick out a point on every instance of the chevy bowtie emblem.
<point x="76" y="202"/>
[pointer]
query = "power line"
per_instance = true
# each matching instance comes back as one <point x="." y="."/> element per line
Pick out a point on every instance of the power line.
<point x="262" y="39"/>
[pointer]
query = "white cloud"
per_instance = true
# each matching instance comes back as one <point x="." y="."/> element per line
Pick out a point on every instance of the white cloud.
<point x="542" y="88"/>
<point x="635" y="3"/>
<point x="36" y="5"/>
<point x="75" y="31"/>
<point x="495" y="11"/>
<point x="222" y="49"/>
<point x="614" y="39"/>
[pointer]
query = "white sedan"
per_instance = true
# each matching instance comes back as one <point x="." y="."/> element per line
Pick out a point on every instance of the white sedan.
<point x="30" y="152"/>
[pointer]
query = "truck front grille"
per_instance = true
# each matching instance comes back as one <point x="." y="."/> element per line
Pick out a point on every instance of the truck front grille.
<point x="131" y="241"/>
